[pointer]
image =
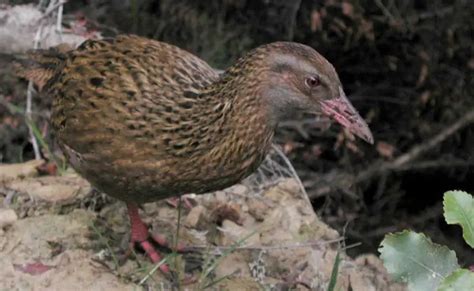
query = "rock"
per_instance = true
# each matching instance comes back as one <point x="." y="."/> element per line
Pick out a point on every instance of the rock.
<point x="291" y="186"/>
<point x="7" y="217"/>
<point x="239" y="284"/>
<point x="51" y="188"/>
<point x="238" y="190"/>
<point x="196" y="218"/>
<point x="227" y="211"/>
<point x="230" y="233"/>
<point x="234" y="263"/>
<point x="258" y="209"/>
<point x="359" y="282"/>
<point x="23" y="170"/>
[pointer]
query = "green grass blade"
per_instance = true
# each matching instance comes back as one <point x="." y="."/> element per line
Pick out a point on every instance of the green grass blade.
<point x="334" y="272"/>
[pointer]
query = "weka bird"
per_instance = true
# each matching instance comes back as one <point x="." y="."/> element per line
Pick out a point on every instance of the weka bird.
<point x="143" y="120"/>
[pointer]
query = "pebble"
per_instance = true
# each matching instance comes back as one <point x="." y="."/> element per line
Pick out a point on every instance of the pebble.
<point x="7" y="217"/>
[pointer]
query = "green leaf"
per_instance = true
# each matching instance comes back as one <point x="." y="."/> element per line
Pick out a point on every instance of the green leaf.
<point x="413" y="258"/>
<point x="459" y="209"/>
<point x="460" y="279"/>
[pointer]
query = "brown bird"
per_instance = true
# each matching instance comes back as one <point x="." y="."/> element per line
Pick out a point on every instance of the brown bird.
<point x="143" y="120"/>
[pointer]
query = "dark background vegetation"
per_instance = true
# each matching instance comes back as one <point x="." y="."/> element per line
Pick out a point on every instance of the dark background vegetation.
<point x="407" y="65"/>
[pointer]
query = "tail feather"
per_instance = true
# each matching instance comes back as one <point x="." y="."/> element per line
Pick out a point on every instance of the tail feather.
<point x="41" y="65"/>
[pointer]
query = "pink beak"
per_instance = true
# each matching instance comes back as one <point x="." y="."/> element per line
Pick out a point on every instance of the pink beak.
<point x="341" y="110"/>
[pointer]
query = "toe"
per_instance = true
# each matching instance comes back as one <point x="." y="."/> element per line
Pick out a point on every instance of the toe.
<point x="153" y="255"/>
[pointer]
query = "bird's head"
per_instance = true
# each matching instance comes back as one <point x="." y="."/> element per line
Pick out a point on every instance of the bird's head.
<point x="297" y="78"/>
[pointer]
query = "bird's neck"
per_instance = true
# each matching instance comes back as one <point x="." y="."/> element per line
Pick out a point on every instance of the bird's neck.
<point x="242" y="130"/>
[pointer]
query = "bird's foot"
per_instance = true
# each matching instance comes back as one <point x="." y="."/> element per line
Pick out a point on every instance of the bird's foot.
<point x="141" y="237"/>
<point x="174" y="202"/>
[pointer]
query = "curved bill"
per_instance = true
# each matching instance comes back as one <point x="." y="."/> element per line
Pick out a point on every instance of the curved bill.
<point x="341" y="110"/>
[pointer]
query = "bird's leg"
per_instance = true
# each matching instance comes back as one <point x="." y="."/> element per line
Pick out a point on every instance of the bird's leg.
<point x="140" y="235"/>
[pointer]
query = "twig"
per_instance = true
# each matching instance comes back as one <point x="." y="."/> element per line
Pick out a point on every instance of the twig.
<point x="29" y="120"/>
<point x="437" y="139"/>
<point x="385" y="11"/>
<point x="53" y="5"/>
<point x="438" y="163"/>
<point x="429" y="14"/>
<point x="345" y="180"/>
<point x="218" y="249"/>
<point x="59" y="21"/>
<point x="155" y="268"/>
<point x="292" y="19"/>
<point x="417" y="150"/>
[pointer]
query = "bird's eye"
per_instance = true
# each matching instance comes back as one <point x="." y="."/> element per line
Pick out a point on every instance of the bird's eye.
<point x="313" y="81"/>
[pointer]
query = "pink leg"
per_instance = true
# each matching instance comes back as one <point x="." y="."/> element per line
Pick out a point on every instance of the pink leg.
<point x="140" y="235"/>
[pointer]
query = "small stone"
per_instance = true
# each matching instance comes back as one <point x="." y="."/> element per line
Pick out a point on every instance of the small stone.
<point x="228" y="211"/>
<point x="258" y="209"/>
<point x="230" y="232"/>
<point x="7" y="217"/>
<point x="234" y="263"/>
<point x="359" y="282"/>
<point x="221" y="196"/>
<point x="291" y="186"/>
<point x="195" y="217"/>
<point x="47" y="188"/>
<point x="23" y="170"/>
<point x="239" y="189"/>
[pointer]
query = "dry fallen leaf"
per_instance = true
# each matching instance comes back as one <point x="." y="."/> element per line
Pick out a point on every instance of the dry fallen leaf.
<point x="288" y="147"/>
<point x="317" y="150"/>
<point x="385" y="149"/>
<point x="352" y="146"/>
<point x="423" y="55"/>
<point x="425" y="97"/>
<point x="423" y="75"/>
<point x="347" y="9"/>
<point x="47" y="169"/>
<point x="226" y="212"/>
<point x="316" y="22"/>
<point x="470" y="64"/>
<point x="33" y="268"/>
<point x="367" y="29"/>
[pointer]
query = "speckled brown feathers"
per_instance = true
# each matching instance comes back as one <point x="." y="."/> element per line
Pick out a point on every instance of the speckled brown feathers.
<point x="143" y="120"/>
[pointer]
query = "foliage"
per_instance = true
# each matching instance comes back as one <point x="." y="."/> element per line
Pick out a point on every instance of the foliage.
<point x="460" y="279"/>
<point x="335" y="270"/>
<point x="413" y="258"/>
<point x="459" y="209"/>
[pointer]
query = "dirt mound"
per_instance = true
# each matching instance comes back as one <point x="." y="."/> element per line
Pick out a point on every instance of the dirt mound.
<point x="60" y="234"/>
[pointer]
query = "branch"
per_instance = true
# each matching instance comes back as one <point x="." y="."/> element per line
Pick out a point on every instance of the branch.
<point x="417" y="150"/>
<point x="342" y="181"/>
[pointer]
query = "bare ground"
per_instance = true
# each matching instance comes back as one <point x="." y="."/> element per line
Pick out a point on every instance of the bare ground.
<point x="59" y="234"/>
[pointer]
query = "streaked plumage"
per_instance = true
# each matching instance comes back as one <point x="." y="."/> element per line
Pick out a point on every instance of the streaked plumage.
<point x="143" y="120"/>
<point x="140" y="121"/>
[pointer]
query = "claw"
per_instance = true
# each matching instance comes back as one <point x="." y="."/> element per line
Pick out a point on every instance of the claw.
<point x="140" y="236"/>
